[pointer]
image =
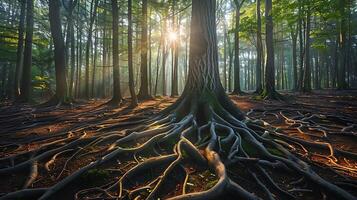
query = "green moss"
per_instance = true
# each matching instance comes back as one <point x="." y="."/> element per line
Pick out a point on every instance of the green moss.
<point x="275" y="152"/>
<point x="95" y="176"/>
<point x="249" y="149"/>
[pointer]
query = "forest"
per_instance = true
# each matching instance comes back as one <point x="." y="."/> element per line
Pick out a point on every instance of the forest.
<point x="178" y="99"/>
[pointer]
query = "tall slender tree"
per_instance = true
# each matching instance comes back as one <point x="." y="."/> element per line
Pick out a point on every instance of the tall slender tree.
<point x="26" y="86"/>
<point x="59" y="48"/>
<point x="237" y="87"/>
<point x="20" y="49"/>
<point x="93" y="13"/>
<point x="116" y="99"/>
<point x="134" y="100"/>
<point x="269" y="90"/>
<point x="144" y="82"/>
<point x="258" y="77"/>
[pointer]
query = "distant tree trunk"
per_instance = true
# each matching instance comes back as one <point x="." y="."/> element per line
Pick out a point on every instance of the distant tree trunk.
<point x="144" y="83"/>
<point x="307" y="71"/>
<point x="174" y="84"/>
<point x="93" y="13"/>
<point x="258" y="77"/>
<point x="72" y="41"/>
<point x="20" y="49"/>
<point x="104" y="60"/>
<point x="26" y="86"/>
<point x="301" y="48"/>
<point x="164" y="56"/>
<point x="224" y="55"/>
<point x="59" y="48"/>
<point x="230" y="66"/>
<point x="341" y="79"/>
<point x="10" y="81"/>
<point x="269" y="63"/>
<point x="116" y="99"/>
<point x="237" y="86"/>
<point x="3" y="80"/>
<point x="94" y="63"/>
<point x="150" y="57"/>
<point x="134" y="100"/>
<point x="294" y="59"/>
<point x="157" y="67"/>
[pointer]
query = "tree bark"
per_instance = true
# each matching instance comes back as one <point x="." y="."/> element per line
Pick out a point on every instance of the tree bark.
<point x="59" y="48"/>
<point x="144" y="83"/>
<point x="307" y="71"/>
<point x="20" y="49"/>
<point x="174" y="81"/>
<point x="269" y="63"/>
<point x="258" y="77"/>
<point x="237" y="86"/>
<point x="26" y="86"/>
<point x="93" y="13"/>
<point x="116" y="99"/>
<point x="134" y="100"/>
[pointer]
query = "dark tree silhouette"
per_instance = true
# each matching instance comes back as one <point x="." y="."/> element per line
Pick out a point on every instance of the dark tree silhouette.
<point x="59" y="55"/>
<point x="20" y="49"/>
<point x="26" y="86"/>
<point x="144" y="83"/>
<point x="116" y="99"/>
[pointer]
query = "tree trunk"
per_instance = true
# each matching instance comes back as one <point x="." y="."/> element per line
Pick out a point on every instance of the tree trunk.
<point x="157" y="68"/>
<point x="341" y="79"/>
<point x="94" y="63"/>
<point x="258" y="77"/>
<point x="116" y="99"/>
<point x="144" y="83"/>
<point x="269" y="63"/>
<point x="307" y="71"/>
<point x="93" y="13"/>
<point x="174" y="84"/>
<point x="26" y="86"/>
<point x="237" y="86"/>
<point x="59" y="48"/>
<point x="164" y="56"/>
<point x="294" y="59"/>
<point x="225" y="55"/>
<point x="20" y="49"/>
<point x="72" y="41"/>
<point x="134" y="100"/>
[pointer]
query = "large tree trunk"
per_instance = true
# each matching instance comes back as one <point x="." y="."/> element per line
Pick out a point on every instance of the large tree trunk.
<point x="258" y="74"/>
<point x="203" y="88"/>
<point x="134" y="100"/>
<point x="116" y="73"/>
<point x="26" y="86"/>
<point x="59" y="55"/>
<point x="144" y="83"/>
<point x="20" y="49"/>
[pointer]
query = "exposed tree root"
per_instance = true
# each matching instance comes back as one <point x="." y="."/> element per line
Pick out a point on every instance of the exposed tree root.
<point x="208" y="134"/>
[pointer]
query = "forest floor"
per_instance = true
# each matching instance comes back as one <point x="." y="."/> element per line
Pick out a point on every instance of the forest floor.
<point x="24" y="129"/>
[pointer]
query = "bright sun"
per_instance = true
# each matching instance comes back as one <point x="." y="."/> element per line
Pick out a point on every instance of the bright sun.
<point x="172" y="36"/>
